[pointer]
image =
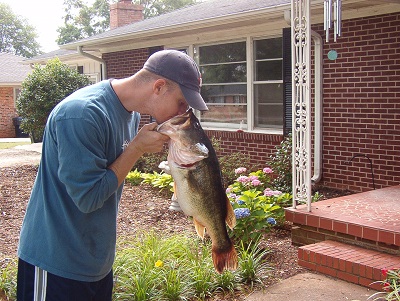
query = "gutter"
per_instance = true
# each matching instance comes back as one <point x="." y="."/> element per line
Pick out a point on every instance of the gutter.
<point x="103" y="72"/>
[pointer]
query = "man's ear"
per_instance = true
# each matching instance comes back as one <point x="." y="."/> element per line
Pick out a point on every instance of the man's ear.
<point x="158" y="85"/>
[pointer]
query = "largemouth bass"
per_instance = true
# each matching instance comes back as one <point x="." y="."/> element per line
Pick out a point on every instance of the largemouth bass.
<point x="198" y="185"/>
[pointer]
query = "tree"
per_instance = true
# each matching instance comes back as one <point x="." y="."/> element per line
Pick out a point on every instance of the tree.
<point x="82" y="21"/>
<point x="16" y="35"/>
<point x="42" y="90"/>
<point x="153" y="8"/>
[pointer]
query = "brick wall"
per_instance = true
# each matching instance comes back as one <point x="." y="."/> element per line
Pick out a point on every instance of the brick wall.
<point x="126" y="63"/>
<point x="361" y="105"/>
<point x="7" y="112"/>
<point x="361" y="114"/>
<point x="259" y="146"/>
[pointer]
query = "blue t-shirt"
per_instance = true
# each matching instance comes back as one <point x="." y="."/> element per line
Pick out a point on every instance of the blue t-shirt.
<point x="69" y="227"/>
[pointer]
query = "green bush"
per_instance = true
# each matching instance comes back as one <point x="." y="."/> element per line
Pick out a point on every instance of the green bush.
<point x="281" y="163"/>
<point x="42" y="90"/>
<point x="258" y="206"/>
<point x="148" y="163"/>
<point x="179" y="267"/>
<point x="152" y="266"/>
<point x="8" y="278"/>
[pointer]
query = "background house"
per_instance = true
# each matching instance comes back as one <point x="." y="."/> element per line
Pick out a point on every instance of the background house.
<point x="243" y="50"/>
<point x="12" y="74"/>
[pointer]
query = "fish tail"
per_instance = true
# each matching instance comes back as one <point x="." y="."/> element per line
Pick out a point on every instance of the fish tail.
<point x="225" y="259"/>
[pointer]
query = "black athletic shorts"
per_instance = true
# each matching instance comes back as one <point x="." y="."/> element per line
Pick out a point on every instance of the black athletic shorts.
<point x="35" y="284"/>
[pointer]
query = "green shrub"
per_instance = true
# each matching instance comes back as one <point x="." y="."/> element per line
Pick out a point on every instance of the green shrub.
<point x="179" y="267"/>
<point x="228" y="163"/>
<point x="281" y="163"/>
<point x="258" y="206"/>
<point x="134" y="177"/>
<point x="42" y="90"/>
<point x="149" y="162"/>
<point x="8" y="278"/>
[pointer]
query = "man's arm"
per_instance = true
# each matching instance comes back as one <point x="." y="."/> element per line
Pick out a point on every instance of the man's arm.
<point x="146" y="141"/>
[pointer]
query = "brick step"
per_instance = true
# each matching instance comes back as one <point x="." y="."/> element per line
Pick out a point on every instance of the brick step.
<point x="347" y="262"/>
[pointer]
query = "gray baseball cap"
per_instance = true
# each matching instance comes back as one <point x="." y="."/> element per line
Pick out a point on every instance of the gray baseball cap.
<point x="182" y="69"/>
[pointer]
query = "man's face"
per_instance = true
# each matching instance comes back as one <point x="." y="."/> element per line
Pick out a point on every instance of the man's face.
<point x="172" y="103"/>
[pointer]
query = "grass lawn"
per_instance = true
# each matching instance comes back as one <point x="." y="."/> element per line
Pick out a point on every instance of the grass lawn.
<point x="4" y="145"/>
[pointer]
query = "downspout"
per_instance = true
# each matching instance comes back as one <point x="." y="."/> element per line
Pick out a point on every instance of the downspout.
<point x="318" y="96"/>
<point x="103" y="71"/>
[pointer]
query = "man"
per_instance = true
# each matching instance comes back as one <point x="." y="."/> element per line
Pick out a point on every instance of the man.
<point x="91" y="141"/>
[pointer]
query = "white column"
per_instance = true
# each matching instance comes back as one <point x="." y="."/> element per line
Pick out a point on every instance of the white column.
<point x="301" y="101"/>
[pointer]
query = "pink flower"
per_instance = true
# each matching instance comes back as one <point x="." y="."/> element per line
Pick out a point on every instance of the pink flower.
<point x="228" y="190"/>
<point x="267" y="170"/>
<point x="243" y="179"/>
<point x="240" y="170"/>
<point x="252" y="178"/>
<point x="256" y="182"/>
<point x="269" y="192"/>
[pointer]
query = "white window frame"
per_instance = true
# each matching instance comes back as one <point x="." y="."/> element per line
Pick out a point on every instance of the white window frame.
<point x="193" y="51"/>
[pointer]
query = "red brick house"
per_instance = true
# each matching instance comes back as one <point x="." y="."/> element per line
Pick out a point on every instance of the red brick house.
<point x="12" y="74"/>
<point x="243" y="50"/>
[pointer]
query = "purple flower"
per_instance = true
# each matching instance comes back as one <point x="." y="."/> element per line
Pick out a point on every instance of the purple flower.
<point x="240" y="202"/>
<point x="271" y="221"/>
<point x="232" y="196"/>
<point x="242" y="212"/>
<point x="228" y="190"/>
<point x="267" y="170"/>
<point x="240" y="170"/>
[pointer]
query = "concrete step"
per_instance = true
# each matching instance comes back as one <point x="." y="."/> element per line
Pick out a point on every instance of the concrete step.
<point x="347" y="262"/>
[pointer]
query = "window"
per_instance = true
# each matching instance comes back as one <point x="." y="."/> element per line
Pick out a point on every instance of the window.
<point x="225" y="82"/>
<point x="224" y="73"/>
<point x="268" y="84"/>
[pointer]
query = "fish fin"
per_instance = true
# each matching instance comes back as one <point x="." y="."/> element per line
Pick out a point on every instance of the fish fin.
<point x="200" y="229"/>
<point x="230" y="215"/>
<point x="225" y="259"/>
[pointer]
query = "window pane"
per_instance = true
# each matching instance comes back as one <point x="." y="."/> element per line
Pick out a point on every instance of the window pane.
<point x="226" y="114"/>
<point x="268" y="70"/>
<point x="226" y="103"/>
<point x="269" y="105"/>
<point x="268" y="49"/>
<point x="228" y="73"/>
<point x="223" y="53"/>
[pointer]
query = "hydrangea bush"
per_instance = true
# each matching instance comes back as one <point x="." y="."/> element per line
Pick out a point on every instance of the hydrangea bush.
<point x="257" y="205"/>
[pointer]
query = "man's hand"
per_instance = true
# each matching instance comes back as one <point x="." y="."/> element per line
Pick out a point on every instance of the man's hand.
<point x="147" y="140"/>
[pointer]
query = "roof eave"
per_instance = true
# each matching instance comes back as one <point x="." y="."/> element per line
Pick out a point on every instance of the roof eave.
<point x="94" y="43"/>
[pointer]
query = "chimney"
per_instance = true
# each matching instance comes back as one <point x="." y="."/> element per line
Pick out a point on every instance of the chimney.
<point x="124" y="12"/>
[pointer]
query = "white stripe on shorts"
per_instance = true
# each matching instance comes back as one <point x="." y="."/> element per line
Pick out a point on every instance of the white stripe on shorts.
<point x="39" y="293"/>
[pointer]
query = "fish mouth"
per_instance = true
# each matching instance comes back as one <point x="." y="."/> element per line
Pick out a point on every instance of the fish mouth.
<point x="186" y="166"/>
<point x="187" y="157"/>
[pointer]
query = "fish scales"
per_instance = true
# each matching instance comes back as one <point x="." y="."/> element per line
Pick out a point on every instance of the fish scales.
<point x="198" y="186"/>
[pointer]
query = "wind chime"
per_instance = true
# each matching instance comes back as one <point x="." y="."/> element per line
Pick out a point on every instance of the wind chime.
<point x="332" y="18"/>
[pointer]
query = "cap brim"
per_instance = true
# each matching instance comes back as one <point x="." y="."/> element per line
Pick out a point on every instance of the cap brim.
<point x="194" y="99"/>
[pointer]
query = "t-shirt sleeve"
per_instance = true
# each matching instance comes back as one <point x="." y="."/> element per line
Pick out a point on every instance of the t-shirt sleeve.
<point x="83" y="161"/>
